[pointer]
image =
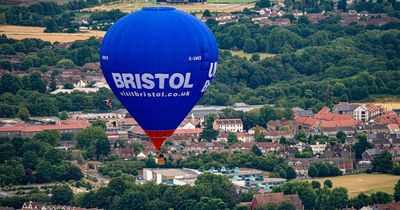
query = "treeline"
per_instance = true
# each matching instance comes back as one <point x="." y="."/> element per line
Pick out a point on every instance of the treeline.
<point x="331" y="63"/>
<point x="54" y="17"/>
<point x="277" y="166"/>
<point x="102" y="20"/>
<point x="35" y="160"/>
<point x="42" y="54"/>
<point x="314" y="197"/>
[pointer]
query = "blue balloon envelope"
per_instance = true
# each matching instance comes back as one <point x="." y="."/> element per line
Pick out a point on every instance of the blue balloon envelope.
<point x="159" y="61"/>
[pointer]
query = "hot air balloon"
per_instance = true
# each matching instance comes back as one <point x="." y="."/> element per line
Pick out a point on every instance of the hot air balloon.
<point x="159" y="61"/>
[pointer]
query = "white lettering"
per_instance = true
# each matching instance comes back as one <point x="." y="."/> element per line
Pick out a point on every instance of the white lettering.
<point x="148" y="83"/>
<point x="128" y="80"/>
<point x="118" y="80"/>
<point x="212" y="70"/>
<point x="187" y="81"/>
<point x="180" y="78"/>
<point x="206" y="84"/>
<point x="161" y="78"/>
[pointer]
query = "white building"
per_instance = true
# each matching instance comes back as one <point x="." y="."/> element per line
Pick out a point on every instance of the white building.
<point x="318" y="148"/>
<point x="228" y="125"/>
<point x="171" y="176"/>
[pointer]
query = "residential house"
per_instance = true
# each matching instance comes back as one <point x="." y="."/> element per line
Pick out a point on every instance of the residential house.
<point x="261" y="200"/>
<point x="277" y="135"/>
<point x="366" y="112"/>
<point x="318" y="148"/>
<point x="330" y="128"/>
<point x="187" y="134"/>
<point x="394" y="128"/>
<point x="345" y="108"/>
<point x="299" y="112"/>
<point x="379" y="139"/>
<point x="281" y="125"/>
<point x="388" y="118"/>
<point x="265" y="147"/>
<point x="387" y="206"/>
<point x="202" y="147"/>
<point x="369" y="154"/>
<point x="307" y="123"/>
<point x="228" y="125"/>
<point x="253" y="130"/>
<point x="29" y="130"/>
<point x="338" y="152"/>
<point x="301" y="165"/>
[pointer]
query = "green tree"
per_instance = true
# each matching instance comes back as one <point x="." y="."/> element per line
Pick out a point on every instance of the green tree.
<point x="250" y="46"/>
<point x="208" y="134"/>
<point x="51" y="137"/>
<point x="65" y="63"/>
<point x="137" y="147"/>
<point x="313" y="171"/>
<point x="30" y="160"/>
<point x="10" y="83"/>
<point x="206" y="13"/>
<point x="232" y="138"/>
<point x="396" y="194"/>
<point x="6" y="111"/>
<point x="88" y="136"/>
<point x="62" y="195"/>
<point x="383" y="162"/>
<point x="44" y="172"/>
<point x="341" y="136"/>
<point x="328" y="183"/>
<point x="290" y="173"/>
<point x="54" y="156"/>
<point x="361" y="145"/>
<point x="103" y="148"/>
<point x="316" y="184"/>
<point x="256" y="150"/>
<point x="23" y="114"/>
<point x="263" y="4"/>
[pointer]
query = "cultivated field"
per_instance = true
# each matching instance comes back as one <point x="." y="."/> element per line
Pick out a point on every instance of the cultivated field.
<point x="248" y="55"/>
<point x="367" y="183"/>
<point x="197" y="7"/>
<point x="389" y="105"/>
<point x="21" y="32"/>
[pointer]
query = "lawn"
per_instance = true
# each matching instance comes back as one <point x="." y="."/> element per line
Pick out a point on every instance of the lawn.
<point x="367" y="183"/>
<point x="22" y="32"/>
<point x="248" y="55"/>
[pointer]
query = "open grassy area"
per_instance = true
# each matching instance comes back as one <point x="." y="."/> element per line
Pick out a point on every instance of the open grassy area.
<point x="195" y="7"/>
<point x="248" y="55"/>
<point x="367" y="183"/>
<point x="22" y="32"/>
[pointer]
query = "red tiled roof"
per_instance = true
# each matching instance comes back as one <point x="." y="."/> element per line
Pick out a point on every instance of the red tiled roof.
<point x="305" y="120"/>
<point x="388" y="118"/>
<point x="339" y="123"/>
<point x="264" y="199"/>
<point x="138" y="130"/>
<point x="188" y="131"/>
<point x="393" y="126"/>
<point x="130" y="121"/>
<point x="63" y="125"/>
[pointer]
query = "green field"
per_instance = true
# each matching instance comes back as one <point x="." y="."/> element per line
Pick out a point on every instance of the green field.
<point x="366" y="183"/>
<point x="248" y="55"/>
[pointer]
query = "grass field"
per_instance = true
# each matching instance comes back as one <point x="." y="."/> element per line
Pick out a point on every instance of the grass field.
<point x="21" y="32"/>
<point x="248" y="55"/>
<point x="197" y="7"/>
<point x="367" y="183"/>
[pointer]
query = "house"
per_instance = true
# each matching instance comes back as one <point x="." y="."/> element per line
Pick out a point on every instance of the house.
<point x="255" y="129"/>
<point x="241" y="136"/>
<point x="345" y="108"/>
<point x="307" y="123"/>
<point x="369" y="154"/>
<point x="318" y="148"/>
<point x="387" y="206"/>
<point x="128" y="123"/>
<point x="299" y="112"/>
<point x="188" y="134"/>
<point x="338" y="152"/>
<point x="277" y="135"/>
<point x="366" y="112"/>
<point x="379" y="139"/>
<point x="265" y="147"/>
<point x="332" y="127"/>
<point x="388" y="118"/>
<point x="228" y="125"/>
<point x="202" y="147"/>
<point x="301" y="165"/>
<point x="394" y="128"/>
<point x="42" y="206"/>
<point x="29" y="130"/>
<point x="261" y="200"/>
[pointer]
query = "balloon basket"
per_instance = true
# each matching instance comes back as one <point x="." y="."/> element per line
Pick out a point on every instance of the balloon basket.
<point x="160" y="160"/>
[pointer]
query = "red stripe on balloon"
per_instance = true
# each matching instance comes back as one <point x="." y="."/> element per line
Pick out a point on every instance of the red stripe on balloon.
<point x="158" y="137"/>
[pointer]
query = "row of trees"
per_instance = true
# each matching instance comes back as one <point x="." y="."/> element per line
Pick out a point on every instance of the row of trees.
<point x="35" y="160"/>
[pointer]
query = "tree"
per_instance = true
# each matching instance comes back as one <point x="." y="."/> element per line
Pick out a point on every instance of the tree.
<point x="339" y="198"/>
<point x="10" y="83"/>
<point x="206" y="13"/>
<point x="117" y="185"/>
<point x="341" y="136"/>
<point x="23" y="113"/>
<point x="88" y="136"/>
<point x="54" y="156"/>
<point x="6" y="111"/>
<point x="263" y="4"/>
<point x="63" y="116"/>
<point x="323" y="170"/>
<point x="256" y="150"/>
<point x="328" y="183"/>
<point x="382" y="163"/>
<point x="208" y="134"/>
<point x="313" y="171"/>
<point x="51" y="137"/>
<point x="103" y="148"/>
<point x="137" y="147"/>
<point x="290" y="173"/>
<point x="255" y="57"/>
<point x="250" y="46"/>
<point x="44" y="172"/>
<point x="68" y="85"/>
<point x="232" y="138"/>
<point x="396" y="194"/>
<point x="100" y="124"/>
<point x="62" y="195"/>
<point x="316" y="184"/>
<point x="36" y="83"/>
<point x="65" y="63"/>
<point x="342" y="5"/>
<point x="30" y="160"/>
<point x="361" y="145"/>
